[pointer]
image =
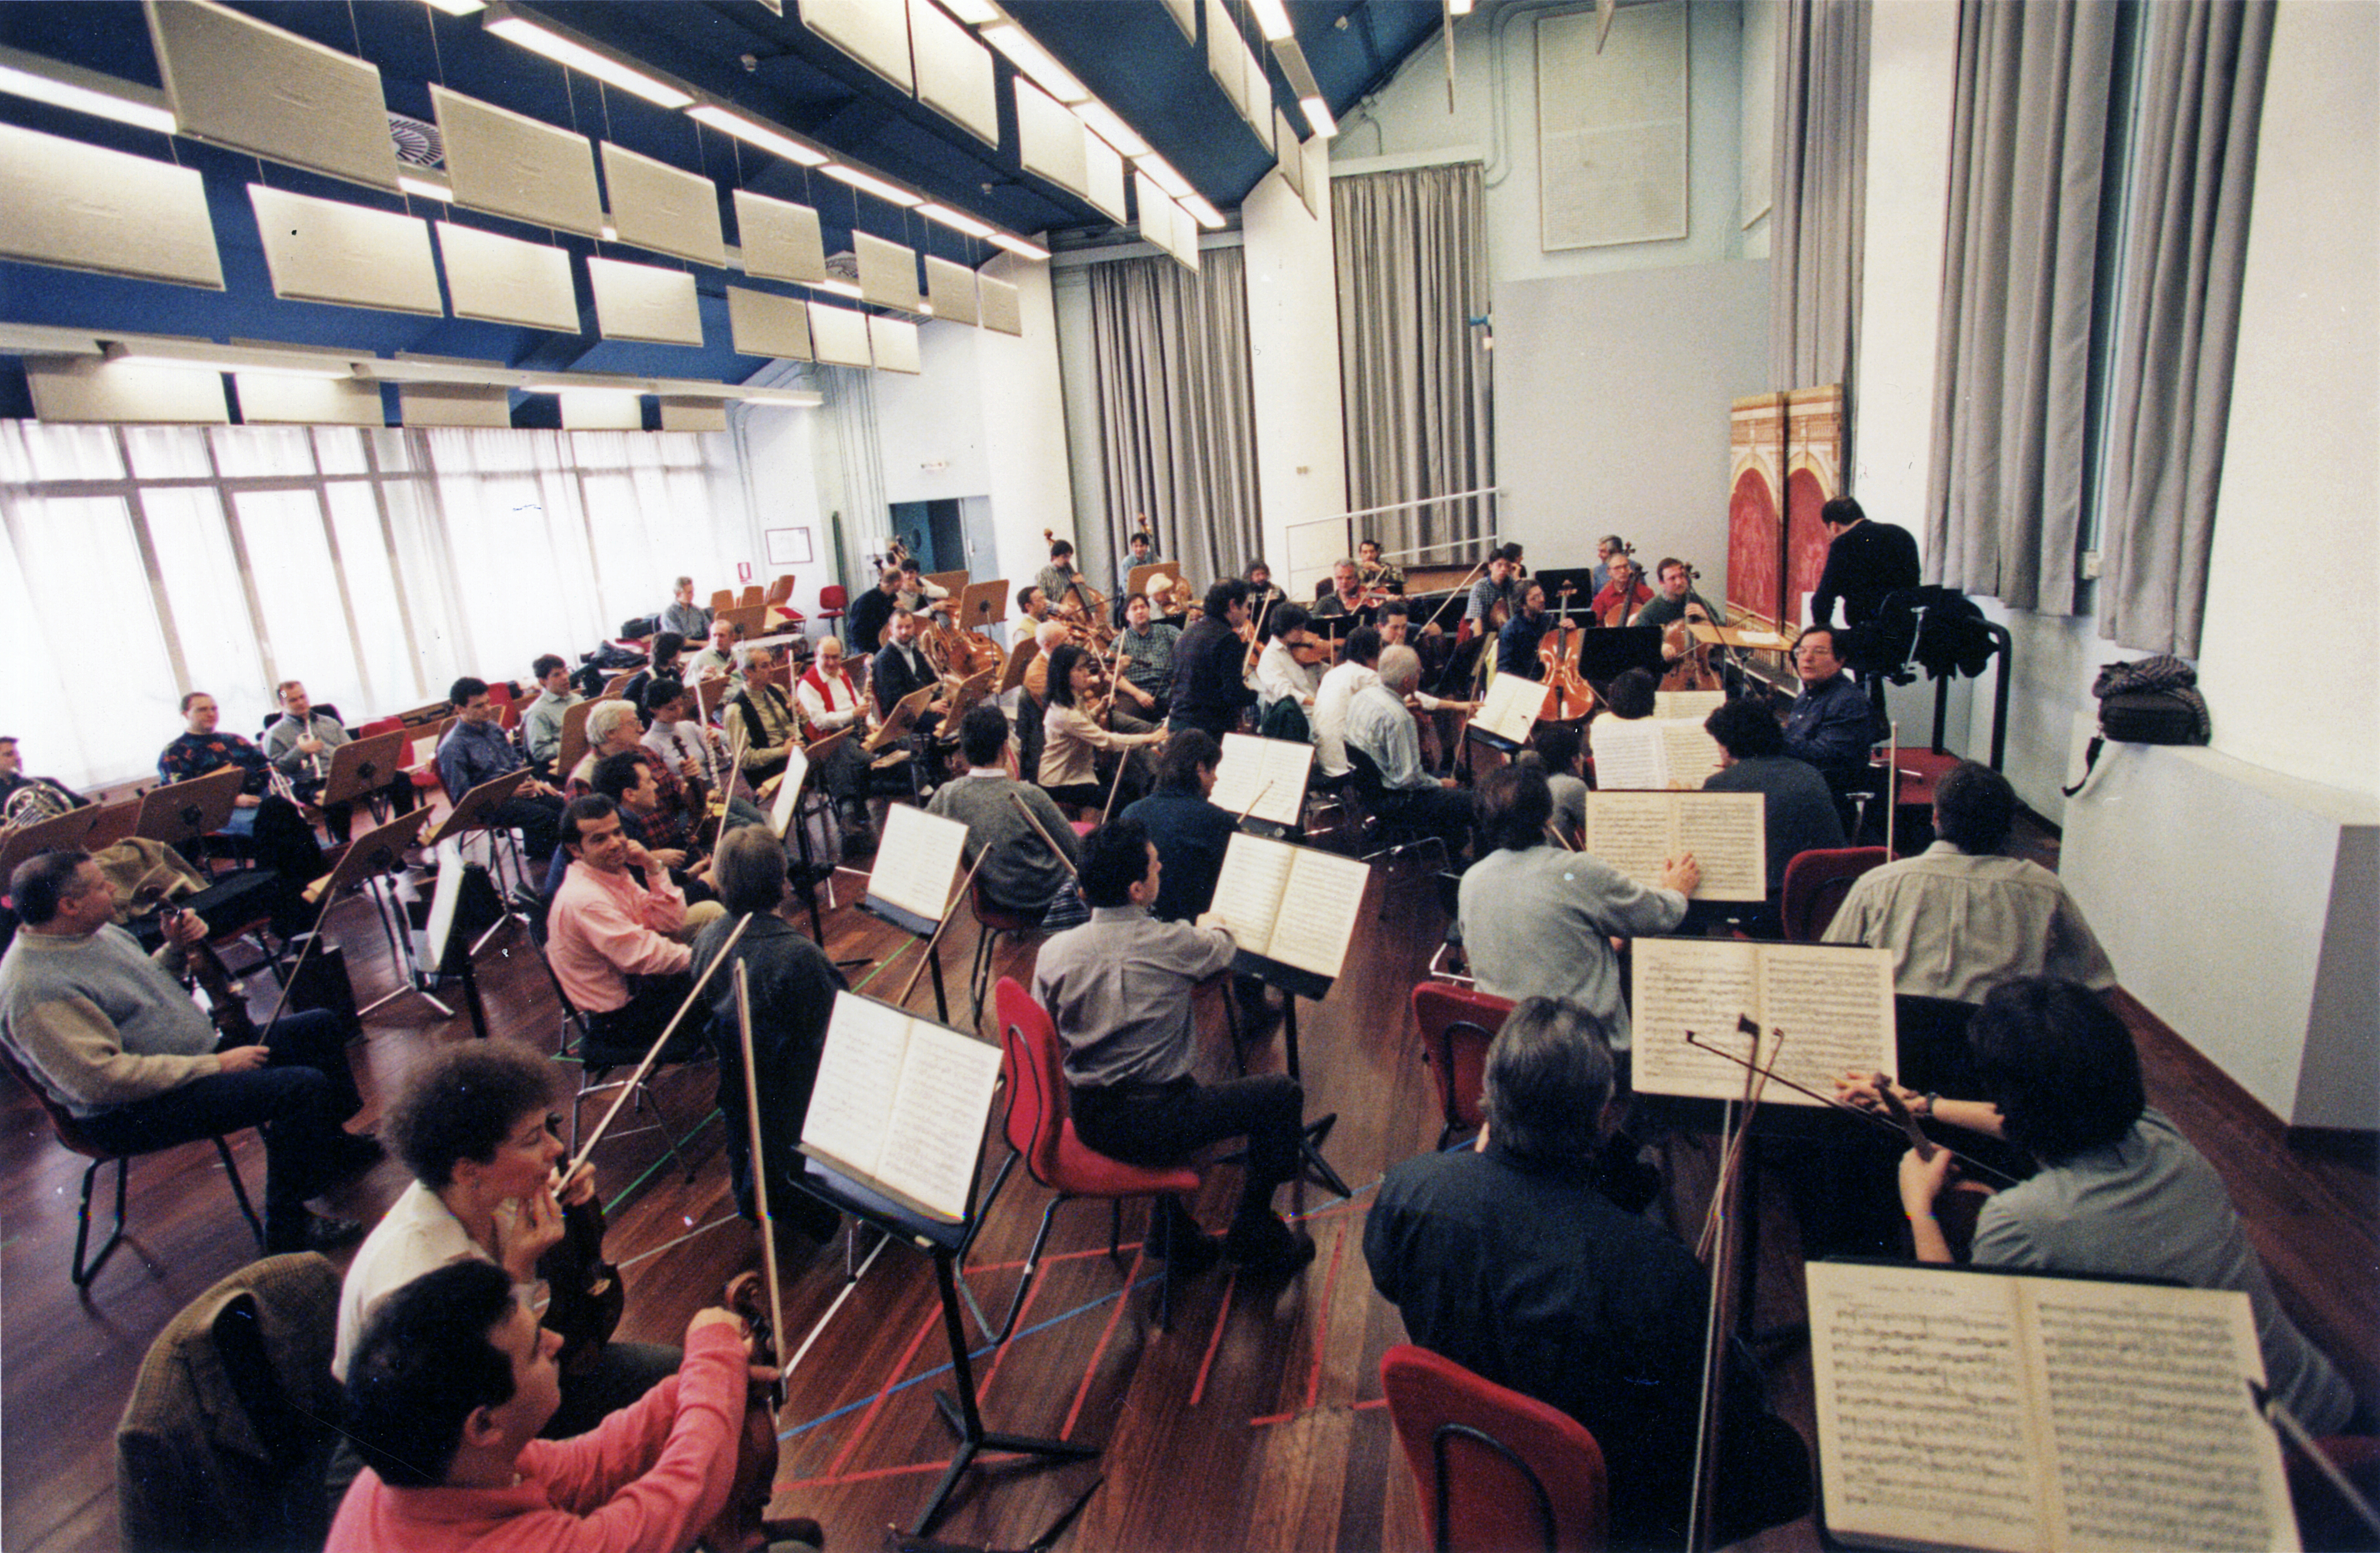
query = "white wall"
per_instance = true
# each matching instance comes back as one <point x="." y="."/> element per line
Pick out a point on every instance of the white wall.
<point x="1292" y="366"/>
<point x="1025" y="423"/>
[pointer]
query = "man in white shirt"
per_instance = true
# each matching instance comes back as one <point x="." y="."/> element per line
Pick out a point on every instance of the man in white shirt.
<point x="1358" y="669"/>
<point x="1380" y="724"/>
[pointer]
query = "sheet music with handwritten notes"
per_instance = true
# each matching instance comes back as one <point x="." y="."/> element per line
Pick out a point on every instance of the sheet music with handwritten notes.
<point x="1959" y="1409"/>
<point x="902" y="1101"/>
<point x="1697" y="704"/>
<point x="1296" y="904"/>
<point x="1728" y="833"/>
<point x="1651" y="752"/>
<point x="1823" y="1009"/>
<point x="916" y="861"/>
<point x="1510" y="708"/>
<point x="1275" y="768"/>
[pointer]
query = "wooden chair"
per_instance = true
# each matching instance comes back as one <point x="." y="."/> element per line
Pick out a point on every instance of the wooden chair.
<point x="1816" y="883"/>
<point x="752" y="597"/>
<point x="1457" y="1023"/>
<point x="1494" y="1469"/>
<point x="721" y="598"/>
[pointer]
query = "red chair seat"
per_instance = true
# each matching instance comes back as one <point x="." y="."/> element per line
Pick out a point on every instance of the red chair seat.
<point x="1082" y="1172"/>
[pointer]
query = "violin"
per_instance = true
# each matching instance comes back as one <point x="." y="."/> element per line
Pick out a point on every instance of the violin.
<point x="1307" y="648"/>
<point x="226" y="1006"/>
<point x="742" y="1523"/>
<point x="1567" y="697"/>
<point x="587" y="1296"/>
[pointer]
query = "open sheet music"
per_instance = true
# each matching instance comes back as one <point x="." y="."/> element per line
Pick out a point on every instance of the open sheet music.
<point x="1658" y="752"/>
<point x="915" y="863"/>
<point x="1274" y="768"/>
<point x="789" y="791"/>
<point x="1823" y="1009"/>
<point x="902" y="1101"/>
<point x="1510" y="709"/>
<point x="1295" y="904"/>
<point x="1728" y="833"/>
<point x="1959" y="1409"/>
<point x="1695" y="704"/>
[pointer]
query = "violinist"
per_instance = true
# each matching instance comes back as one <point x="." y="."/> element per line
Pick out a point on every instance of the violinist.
<point x="1145" y="652"/>
<point x="1211" y="688"/>
<point x="873" y="609"/>
<point x="1289" y="668"/>
<point x="1262" y="594"/>
<point x="1623" y="595"/>
<point x="1677" y="599"/>
<point x="1072" y="734"/>
<point x="717" y="657"/>
<point x="1346" y="598"/>
<point x="1032" y="603"/>
<point x="1516" y="644"/>
<point x="1374" y="574"/>
<point x="1494" y="596"/>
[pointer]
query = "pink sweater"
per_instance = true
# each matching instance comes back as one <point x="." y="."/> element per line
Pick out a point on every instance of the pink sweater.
<point x="647" y="1480"/>
<point x="605" y="926"/>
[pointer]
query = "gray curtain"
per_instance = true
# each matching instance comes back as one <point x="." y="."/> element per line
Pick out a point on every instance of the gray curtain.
<point x="1411" y="249"/>
<point x="1818" y="220"/>
<point x="2027" y="151"/>
<point x="2185" y="243"/>
<point x="1177" y="419"/>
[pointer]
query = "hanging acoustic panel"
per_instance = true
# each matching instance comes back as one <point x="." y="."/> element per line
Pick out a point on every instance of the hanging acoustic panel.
<point x="1287" y="153"/>
<point x="84" y="207"/>
<point x="1185" y="16"/>
<point x="323" y="251"/>
<point x="75" y="390"/>
<point x="888" y="272"/>
<point x="241" y="82"/>
<point x="894" y="341"/>
<point x="444" y="404"/>
<point x="278" y="399"/>
<point x="644" y="302"/>
<point x="954" y="74"/>
<point x="1103" y="178"/>
<point x="780" y="240"/>
<point x="762" y="323"/>
<point x="602" y="409"/>
<point x="1002" y="311"/>
<point x="693" y="415"/>
<point x="1316" y="189"/>
<point x="840" y="337"/>
<point x="1049" y="139"/>
<point x="663" y="207"/>
<point x="952" y="289"/>
<point x="503" y="280"/>
<point x="511" y="164"/>
<point x="874" y="32"/>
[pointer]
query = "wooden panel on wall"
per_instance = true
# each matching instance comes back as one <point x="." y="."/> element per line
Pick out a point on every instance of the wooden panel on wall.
<point x="1756" y="513"/>
<point x="1814" y="476"/>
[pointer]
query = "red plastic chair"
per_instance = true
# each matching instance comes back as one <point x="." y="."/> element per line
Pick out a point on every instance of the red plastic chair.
<point x="833" y="600"/>
<point x="1816" y="883"/>
<point x="1494" y="1469"/>
<point x="990" y="922"/>
<point x="1040" y="1131"/>
<point x="1457" y="1023"/>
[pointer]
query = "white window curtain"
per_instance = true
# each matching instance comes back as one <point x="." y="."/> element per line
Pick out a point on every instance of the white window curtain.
<point x="143" y="562"/>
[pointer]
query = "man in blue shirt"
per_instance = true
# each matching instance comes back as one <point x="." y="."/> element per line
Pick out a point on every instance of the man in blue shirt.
<point x="1831" y="724"/>
<point x="476" y="750"/>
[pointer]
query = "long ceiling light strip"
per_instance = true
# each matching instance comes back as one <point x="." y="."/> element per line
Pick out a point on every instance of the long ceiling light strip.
<point x="564" y="47"/>
<point x="84" y="91"/>
<point x="751" y="131"/>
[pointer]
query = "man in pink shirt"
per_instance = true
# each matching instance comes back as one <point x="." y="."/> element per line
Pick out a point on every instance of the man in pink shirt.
<point x="447" y="1391"/>
<point x="617" y="937"/>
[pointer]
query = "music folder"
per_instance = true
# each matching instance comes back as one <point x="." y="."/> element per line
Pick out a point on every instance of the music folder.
<point x="1824" y="1010"/>
<point x="1511" y="709"/>
<point x="1728" y="833"/>
<point x="1270" y="774"/>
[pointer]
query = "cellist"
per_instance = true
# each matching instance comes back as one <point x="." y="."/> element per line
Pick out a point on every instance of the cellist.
<point x="1516" y="644"/>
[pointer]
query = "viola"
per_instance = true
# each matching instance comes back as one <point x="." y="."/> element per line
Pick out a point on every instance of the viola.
<point x="226" y="1007"/>
<point x="743" y="1523"/>
<point x="1305" y="648"/>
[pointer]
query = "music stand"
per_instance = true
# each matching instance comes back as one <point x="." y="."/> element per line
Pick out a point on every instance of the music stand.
<point x="974" y="688"/>
<point x="60" y="833"/>
<point x="1020" y="658"/>
<point x="183" y="814"/>
<point x="1606" y="653"/>
<point x="369" y="860"/>
<point x="907" y="918"/>
<point x="1137" y="581"/>
<point x="475" y="811"/>
<point x="362" y="769"/>
<point x="904" y="714"/>
<point x="1293" y="982"/>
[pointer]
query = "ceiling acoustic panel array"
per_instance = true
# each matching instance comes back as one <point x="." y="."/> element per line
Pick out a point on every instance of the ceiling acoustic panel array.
<point x="1287" y="153"/>
<point x="323" y="251"/>
<point x="874" y="32"/>
<point x="1105" y="181"/>
<point x="763" y="323"/>
<point x="1002" y="311"/>
<point x="780" y="240"/>
<point x="1049" y="139"/>
<point x="840" y="337"/>
<point x="954" y="74"/>
<point x="1163" y="223"/>
<point x="87" y="208"/>
<point x="1238" y="72"/>
<point x="952" y="289"/>
<point x="663" y="207"/>
<point x="243" y="83"/>
<point x="888" y="273"/>
<point x="1185" y="16"/>
<point x="645" y="302"/>
<point x="894" y="341"/>
<point x="514" y="165"/>
<point x="503" y="280"/>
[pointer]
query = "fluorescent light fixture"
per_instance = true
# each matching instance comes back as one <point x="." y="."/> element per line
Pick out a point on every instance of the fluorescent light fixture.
<point x="801" y="398"/>
<point x="1162" y="173"/>
<point x="1209" y="216"/>
<point x="541" y="37"/>
<point x="25" y="74"/>
<point x="926" y="308"/>
<point x="429" y="189"/>
<point x="957" y="220"/>
<point x="974" y="12"/>
<point x="581" y="382"/>
<point x="460" y="7"/>
<point x="1458" y="7"/>
<point x="609" y="233"/>
<point x="841" y="288"/>
<point x="1109" y="126"/>
<point x="1318" y="115"/>
<point x="1037" y="62"/>
<point x="753" y="132"/>
<point x="1272" y="19"/>
<point x="870" y="184"/>
<point x="206" y="356"/>
<point x="1019" y="245"/>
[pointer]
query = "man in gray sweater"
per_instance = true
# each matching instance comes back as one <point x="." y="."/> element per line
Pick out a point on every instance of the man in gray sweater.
<point x="1020" y="873"/>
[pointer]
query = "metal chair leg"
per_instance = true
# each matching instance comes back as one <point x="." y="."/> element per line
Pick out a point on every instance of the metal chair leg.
<point x="83" y="1272"/>
<point x="239" y="1191"/>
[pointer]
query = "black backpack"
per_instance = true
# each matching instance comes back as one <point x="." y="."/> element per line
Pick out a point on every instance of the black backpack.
<point x="2154" y="700"/>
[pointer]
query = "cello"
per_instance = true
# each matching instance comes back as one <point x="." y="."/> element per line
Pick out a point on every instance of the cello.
<point x="1567" y="697"/>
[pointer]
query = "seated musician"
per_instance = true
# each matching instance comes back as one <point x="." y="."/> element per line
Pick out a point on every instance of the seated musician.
<point x="1145" y="649"/>
<point x="1373" y="573"/>
<point x="1436" y="649"/>
<point x="1049" y="636"/>
<point x="1960" y="917"/>
<point x="542" y="722"/>
<point x="1280" y="675"/>
<point x="1358" y="668"/>
<point x="279" y="838"/>
<point x="1831" y="724"/>
<point x="299" y="744"/>
<point x="617" y="935"/>
<point x="2120" y="1192"/>
<point x="682" y="616"/>
<point x="1559" y="746"/>
<point x="770" y="729"/>
<point x="1380" y="726"/>
<point x="1018" y="870"/>
<point x="1605" y="549"/>
<point x="1139" y="550"/>
<point x="692" y="753"/>
<point x="1076" y="728"/>
<point x="1538" y="919"/>
<point x="1508" y="1259"/>
<point x="474" y="1125"/>
<point x="1499" y="586"/>
<point x="1516" y="644"/>
<point x="717" y="658"/>
<point x="1210" y="686"/>
<point x="1752" y="758"/>
<point x="831" y="704"/>
<point x="476" y="750"/>
<point x="452" y="1384"/>
<point x="1261" y="592"/>
<point x="1345" y="598"/>
<point x="1632" y="694"/>
<point x="1191" y="833"/>
<point x="916" y="593"/>
<point x="661" y="662"/>
<point x="662" y="822"/>
<point x="793" y="988"/>
<point x="874" y="610"/>
<point x="1118" y="988"/>
<point x="1058" y="580"/>
<point x="1032" y="603"/>
<point x="901" y="670"/>
<point x="25" y="799"/>
<point x="1620" y="598"/>
<point x="1677" y="600"/>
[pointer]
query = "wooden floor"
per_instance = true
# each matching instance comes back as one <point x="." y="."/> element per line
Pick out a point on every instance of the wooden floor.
<point x="1256" y="1423"/>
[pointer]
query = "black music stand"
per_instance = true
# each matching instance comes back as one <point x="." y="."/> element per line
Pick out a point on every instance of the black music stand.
<point x="182" y="815"/>
<point x="1606" y="653"/>
<point x="1293" y="983"/>
<point x="369" y="860"/>
<point x="475" y="811"/>
<point x="362" y="769"/>
<point x="922" y="927"/>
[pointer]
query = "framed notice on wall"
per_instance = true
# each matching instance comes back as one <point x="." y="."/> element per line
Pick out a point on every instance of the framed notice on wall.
<point x="788" y="547"/>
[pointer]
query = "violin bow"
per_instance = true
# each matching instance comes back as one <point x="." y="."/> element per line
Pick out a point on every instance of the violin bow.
<point x="1039" y="830"/>
<point x="949" y="911"/>
<point x="759" y="1172"/>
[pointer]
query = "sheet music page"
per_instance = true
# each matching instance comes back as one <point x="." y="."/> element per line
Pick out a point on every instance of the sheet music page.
<point x="1510" y="709"/>
<point x="916" y="860"/>
<point x="857" y="1075"/>
<point x="2155" y="1442"/>
<point x="1633" y="831"/>
<point x="1764" y="639"/>
<point x="1925" y="1431"/>
<point x="781" y="813"/>
<point x="935" y="1130"/>
<point x="1728" y="833"/>
<point x="1697" y="704"/>
<point x="1318" y="909"/>
<point x="1240" y="772"/>
<point x="1830" y="1008"/>
<point x="1702" y="985"/>
<point x="1688" y="752"/>
<point x="1286" y="763"/>
<point x="1628" y="753"/>
<point x="1249" y="890"/>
